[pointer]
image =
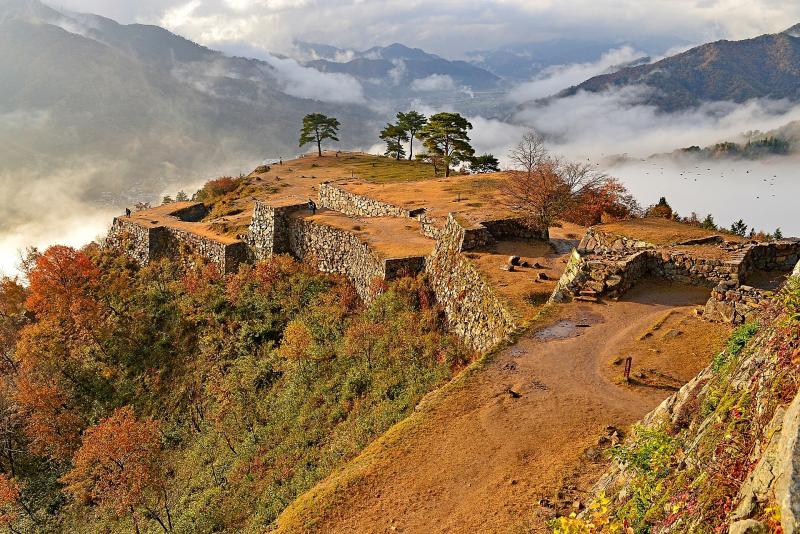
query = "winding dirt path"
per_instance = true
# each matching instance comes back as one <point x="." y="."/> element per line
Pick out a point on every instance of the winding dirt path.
<point x="514" y="443"/>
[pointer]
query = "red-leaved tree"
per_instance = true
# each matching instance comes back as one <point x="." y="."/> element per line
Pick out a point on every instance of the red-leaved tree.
<point x="119" y="468"/>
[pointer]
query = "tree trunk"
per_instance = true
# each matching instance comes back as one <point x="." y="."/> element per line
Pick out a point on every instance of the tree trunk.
<point x="411" y="147"/>
<point x="319" y="147"/>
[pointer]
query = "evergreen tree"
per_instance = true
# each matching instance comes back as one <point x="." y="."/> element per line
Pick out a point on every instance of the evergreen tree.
<point x="739" y="228"/>
<point x="181" y="196"/>
<point x="484" y="163"/>
<point x="708" y="223"/>
<point x="445" y="136"/>
<point x="411" y="123"/>
<point x="778" y="233"/>
<point x="394" y="136"/>
<point x="318" y="127"/>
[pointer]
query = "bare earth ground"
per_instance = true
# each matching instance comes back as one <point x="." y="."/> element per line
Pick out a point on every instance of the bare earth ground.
<point x="519" y="440"/>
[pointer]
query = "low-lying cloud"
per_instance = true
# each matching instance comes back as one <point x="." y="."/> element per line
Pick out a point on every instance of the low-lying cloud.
<point x="434" y="82"/>
<point x="616" y="122"/>
<point x="306" y="82"/>
<point x="556" y="78"/>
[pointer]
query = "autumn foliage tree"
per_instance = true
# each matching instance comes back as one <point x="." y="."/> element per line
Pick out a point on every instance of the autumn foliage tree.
<point x="545" y="188"/>
<point x="9" y="502"/>
<point x="119" y="469"/>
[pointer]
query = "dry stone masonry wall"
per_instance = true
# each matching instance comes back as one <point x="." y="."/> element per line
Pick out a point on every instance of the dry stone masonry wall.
<point x="607" y="265"/>
<point x="336" y="251"/>
<point x="144" y="244"/>
<point x="339" y="199"/>
<point x="472" y="308"/>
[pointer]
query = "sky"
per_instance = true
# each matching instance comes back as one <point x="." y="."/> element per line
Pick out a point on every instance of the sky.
<point x="447" y="27"/>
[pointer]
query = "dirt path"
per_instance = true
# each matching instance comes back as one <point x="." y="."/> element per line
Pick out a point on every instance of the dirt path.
<point x="519" y="438"/>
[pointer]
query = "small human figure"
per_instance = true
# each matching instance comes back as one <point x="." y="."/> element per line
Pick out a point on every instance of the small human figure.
<point x="312" y="206"/>
<point x="127" y="212"/>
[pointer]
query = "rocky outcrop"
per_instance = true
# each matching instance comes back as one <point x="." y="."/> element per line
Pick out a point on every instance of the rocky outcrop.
<point x="473" y="310"/>
<point x="734" y="430"/>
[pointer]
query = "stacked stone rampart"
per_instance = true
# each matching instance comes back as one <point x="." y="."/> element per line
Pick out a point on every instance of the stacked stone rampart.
<point x="133" y="238"/>
<point x="339" y="199"/>
<point x="472" y="308"/>
<point x="596" y="241"/>
<point x="735" y="304"/>
<point x="269" y="228"/>
<point x="607" y="265"/>
<point x="780" y="255"/>
<point x="338" y="251"/>
<point x="145" y="243"/>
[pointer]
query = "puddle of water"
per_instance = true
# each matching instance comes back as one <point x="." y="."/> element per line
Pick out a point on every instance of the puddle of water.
<point x="567" y="328"/>
<point x="561" y="330"/>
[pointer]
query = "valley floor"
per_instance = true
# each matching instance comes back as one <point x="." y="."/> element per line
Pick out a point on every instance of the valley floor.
<point x="523" y="438"/>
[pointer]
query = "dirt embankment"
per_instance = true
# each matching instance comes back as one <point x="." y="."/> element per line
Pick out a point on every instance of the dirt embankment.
<point x="508" y="446"/>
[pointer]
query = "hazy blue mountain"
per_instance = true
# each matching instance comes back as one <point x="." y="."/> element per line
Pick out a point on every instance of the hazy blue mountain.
<point x="123" y="110"/>
<point x="398" y="66"/>
<point x="523" y="61"/>
<point x="767" y="66"/>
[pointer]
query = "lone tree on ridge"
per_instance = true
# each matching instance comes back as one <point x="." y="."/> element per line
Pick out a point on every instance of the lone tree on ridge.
<point x="318" y="127"/>
<point x="411" y="123"/>
<point x="445" y="136"/>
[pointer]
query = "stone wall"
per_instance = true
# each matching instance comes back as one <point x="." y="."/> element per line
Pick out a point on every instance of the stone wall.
<point x="596" y="241"/>
<point x="144" y="244"/>
<point x="132" y="238"/>
<point x="680" y="266"/>
<point x="514" y="228"/>
<point x="337" y="251"/>
<point x="192" y="213"/>
<point x="772" y="256"/>
<point x="731" y="303"/>
<point x="339" y="199"/>
<point x="473" y="309"/>
<point x="269" y="228"/>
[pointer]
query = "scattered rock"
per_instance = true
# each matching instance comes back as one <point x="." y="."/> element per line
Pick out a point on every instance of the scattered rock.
<point x="542" y="276"/>
<point x="513" y="260"/>
<point x="507" y="267"/>
<point x="748" y="526"/>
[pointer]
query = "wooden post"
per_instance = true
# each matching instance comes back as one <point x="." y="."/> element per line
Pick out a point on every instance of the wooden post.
<point x="628" y="363"/>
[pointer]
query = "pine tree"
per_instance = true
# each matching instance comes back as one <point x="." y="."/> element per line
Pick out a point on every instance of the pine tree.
<point x="318" y="127"/>
<point x="445" y="136"/>
<point x="411" y="123"/>
<point x="394" y="136"/>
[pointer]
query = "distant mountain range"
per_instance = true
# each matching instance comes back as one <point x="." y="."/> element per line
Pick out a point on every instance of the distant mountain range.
<point x="121" y="112"/>
<point x="127" y="109"/>
<point x="764" y="67"/>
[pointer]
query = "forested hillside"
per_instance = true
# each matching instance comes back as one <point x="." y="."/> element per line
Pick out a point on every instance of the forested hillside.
<point x="164" y="399"/>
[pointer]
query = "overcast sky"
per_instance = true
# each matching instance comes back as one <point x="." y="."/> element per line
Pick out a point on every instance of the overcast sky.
<point x="447" y="27"/>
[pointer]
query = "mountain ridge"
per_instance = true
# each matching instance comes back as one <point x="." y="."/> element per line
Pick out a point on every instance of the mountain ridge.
<point x="767" y="66"/>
